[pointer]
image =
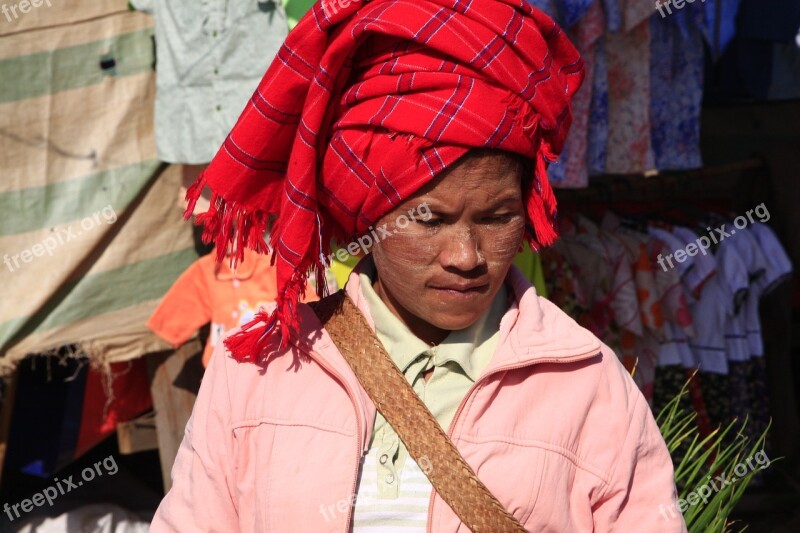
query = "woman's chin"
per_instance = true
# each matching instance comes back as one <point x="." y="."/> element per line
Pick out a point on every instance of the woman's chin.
<point x="452" y="323"/>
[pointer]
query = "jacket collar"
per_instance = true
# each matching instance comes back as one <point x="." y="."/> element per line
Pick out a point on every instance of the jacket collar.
<point x="532" y="330"/>
<point x="535" y="330"/>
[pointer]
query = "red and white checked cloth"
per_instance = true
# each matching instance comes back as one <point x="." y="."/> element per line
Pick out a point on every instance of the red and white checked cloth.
<point x="364" y="104"/>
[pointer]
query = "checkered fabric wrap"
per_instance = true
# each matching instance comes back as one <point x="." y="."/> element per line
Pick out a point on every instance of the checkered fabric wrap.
<point x="364" y="104"/>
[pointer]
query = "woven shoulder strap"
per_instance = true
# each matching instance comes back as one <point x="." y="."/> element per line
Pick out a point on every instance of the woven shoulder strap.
<point x="448" y="472"/>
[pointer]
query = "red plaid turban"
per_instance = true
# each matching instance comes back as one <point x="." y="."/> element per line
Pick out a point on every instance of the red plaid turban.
<point x="364" y="104"/>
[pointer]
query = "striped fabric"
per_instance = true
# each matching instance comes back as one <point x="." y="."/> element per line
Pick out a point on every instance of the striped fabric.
<point x="364" y="104"/>
<point x="407" y="513"/>
<point x="90" y="231"/>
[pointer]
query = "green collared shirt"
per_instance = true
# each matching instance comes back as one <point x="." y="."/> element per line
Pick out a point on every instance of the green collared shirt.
<point x="457" y="362"/>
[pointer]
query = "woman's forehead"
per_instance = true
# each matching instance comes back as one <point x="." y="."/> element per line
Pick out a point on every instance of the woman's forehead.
<point x="491" y="177"/>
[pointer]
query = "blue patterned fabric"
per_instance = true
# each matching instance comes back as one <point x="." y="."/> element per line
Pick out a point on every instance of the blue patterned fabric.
<point x="571" y="11"/>
<point x="556" y="172"/>
<point x="676" y="91"/>
<point x="677" y="64"/>
<point x="598" y="119"/>
<point x="692" y="16"/>
<point x="548" y="6"/>
<point x="613" y="13"/>
<point x="566" y="12"/>
<point x="727" y="23"/>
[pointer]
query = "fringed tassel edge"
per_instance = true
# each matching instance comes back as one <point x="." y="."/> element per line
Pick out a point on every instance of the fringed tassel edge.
<point x="227" y="224"/>
<point x="542" y="204"/>
<point x="267" y="332"/>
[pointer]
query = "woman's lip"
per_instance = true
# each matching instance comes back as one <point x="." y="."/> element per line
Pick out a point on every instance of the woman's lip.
<point x="462" y="290"/>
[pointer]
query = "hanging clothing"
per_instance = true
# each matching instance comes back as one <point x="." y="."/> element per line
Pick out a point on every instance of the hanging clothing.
<point x="613" y="10"/>
<point x="207" y="292"/>
<point x="598" y="117"/>
<point x="777" y="268"/>
<point x="563" y="286"/>
<point x="698" y="315"/>
<point x="210" y="57"/>
<point x="571" y="170"/>
<point x="680" y="328"/>
<point x="629" y="148"/>
<point x="704" y="266"/>
<point x="727" y="12"/>
<point x="677" y="68"/>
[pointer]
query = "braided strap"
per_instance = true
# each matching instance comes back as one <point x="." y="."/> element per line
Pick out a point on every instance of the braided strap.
<point x="448" y="472"/>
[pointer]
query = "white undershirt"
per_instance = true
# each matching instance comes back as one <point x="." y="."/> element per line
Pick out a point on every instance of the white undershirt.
<point x="407" y="512"/>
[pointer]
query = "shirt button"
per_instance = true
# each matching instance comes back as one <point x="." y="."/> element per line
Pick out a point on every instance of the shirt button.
<point x="219" y="108"/>
<point x="389" y="478"/>
<point x="384" y="458"/>
<point x="216" y="71"/>
<point x="214" y="33"/>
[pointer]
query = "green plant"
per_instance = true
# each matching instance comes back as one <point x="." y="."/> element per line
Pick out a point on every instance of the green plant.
<point x="700" y="461"/>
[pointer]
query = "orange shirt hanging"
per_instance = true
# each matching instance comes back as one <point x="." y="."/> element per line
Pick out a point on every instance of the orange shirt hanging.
<point x="206" y="292"/>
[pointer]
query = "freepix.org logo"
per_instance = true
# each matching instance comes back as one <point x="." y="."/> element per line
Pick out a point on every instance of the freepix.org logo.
<point x="703" y="244"/>
<point x="62" y="236"/>
<point x="677" y="4"/>
<point x="24" y="6"/>
<point x="331" y="7"/>
<point x="60" y="488"/>
<point x="363" y="244"/>
<point x="705" y="492"/>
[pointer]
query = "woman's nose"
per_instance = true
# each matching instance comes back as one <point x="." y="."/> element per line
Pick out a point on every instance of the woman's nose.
<point x="461" y="250"/>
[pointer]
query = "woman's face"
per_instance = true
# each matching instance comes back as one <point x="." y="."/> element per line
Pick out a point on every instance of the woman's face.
<point x="441" y="274"/>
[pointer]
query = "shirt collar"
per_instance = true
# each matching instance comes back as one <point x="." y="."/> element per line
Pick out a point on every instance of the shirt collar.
<point x="404" y="347"/>
<point x="244" y="270"/>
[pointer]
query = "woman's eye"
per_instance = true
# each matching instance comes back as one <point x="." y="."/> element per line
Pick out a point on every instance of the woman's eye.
<point x="498" y="219"/>
<point x="430" y="223"/>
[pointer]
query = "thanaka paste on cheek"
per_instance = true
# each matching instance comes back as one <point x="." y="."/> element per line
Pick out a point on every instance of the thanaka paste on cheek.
<point x="402" y="262"/>
<point x="504" y="245"/>
<point x="401" y="273"/>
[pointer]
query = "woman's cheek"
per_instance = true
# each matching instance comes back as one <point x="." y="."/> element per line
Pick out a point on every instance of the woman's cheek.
<point x="407" y="246"/>
<point x="502" y="246"/>
<point x="402" y="260"/>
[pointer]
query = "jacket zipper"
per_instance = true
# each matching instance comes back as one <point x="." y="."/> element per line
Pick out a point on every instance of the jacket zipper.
<point x="475" y="385"/>
<point x="359" y="445"/>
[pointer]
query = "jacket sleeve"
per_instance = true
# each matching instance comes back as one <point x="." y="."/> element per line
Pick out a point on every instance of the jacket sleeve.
<point x="201" y="497"/>
<point x="641" y="494"/>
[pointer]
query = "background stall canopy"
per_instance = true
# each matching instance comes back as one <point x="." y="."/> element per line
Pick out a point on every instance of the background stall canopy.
<point x="90" y="236"/>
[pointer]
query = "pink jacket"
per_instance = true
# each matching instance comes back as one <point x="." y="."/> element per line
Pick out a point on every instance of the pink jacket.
<point x="554" y="427"/>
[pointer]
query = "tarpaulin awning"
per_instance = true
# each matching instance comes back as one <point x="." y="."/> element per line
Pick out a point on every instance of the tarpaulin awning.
<point x="90" y="233"/>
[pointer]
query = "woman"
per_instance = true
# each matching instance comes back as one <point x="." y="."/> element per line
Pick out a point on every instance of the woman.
<point x="425" y="126"/>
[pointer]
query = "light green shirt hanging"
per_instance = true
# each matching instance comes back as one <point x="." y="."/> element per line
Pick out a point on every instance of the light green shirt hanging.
<point x="295" y="9"/>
